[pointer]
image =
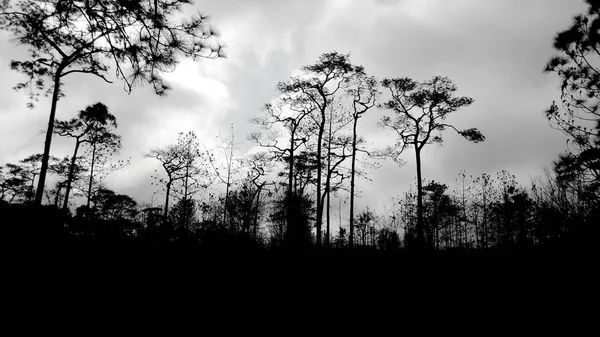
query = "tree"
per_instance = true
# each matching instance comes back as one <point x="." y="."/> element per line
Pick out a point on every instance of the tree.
<point x="172" y="164"/>
<point x="439" y="207"/>
<point x="274" y="119"/>
<point x="577" y="67"/>
<point x="316" y="89"/>
<point x="295" y="212"/>
<point x="363" y="98"/>
<point x="558" y="207"/>
<point x="2" y="185"/>
<point x="13" y="184"/>
<point x="338" y="148"/>
<point x="31" y="168"/>
<point x="183" y="215"/>
<point x="141" y="39"/>
<point x="183" y="163"/>
<point x="112" y="206"/>
<point x="103" y="145"/>
<point x="242" y="209"/>
<point x="364" y="225"/>
<point x="260" y="165"/>
<point x="226" y="147"/>
<point x="85" y="128"/>
<point x="462" y="195"/>
<point x="388" y="240"/>
<point x="19" y="179"/>
<point x="482" y="233"/>
<point x="333" y="171"/>
<point x="66" y="172"/>
<point x="151" y="216"/>
<point x="421" y="109"/>
<point x="193" y="176"/>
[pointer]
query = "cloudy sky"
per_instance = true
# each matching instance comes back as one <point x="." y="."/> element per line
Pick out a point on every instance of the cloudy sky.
<point x="494" y="50"/>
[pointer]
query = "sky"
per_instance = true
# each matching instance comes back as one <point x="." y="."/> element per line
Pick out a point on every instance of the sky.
<point x="494" y="51"/>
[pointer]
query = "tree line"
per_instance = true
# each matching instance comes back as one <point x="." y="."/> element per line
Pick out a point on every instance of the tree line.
<point x="309" y="150"/>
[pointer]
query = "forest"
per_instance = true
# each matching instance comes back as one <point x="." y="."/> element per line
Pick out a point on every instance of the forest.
<point x="296" y="191"/>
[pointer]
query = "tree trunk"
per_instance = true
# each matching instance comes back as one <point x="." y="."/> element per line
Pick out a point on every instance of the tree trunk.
<point x="228" y="180"/>
<point x="327" y="239"/>
<point x="328" y="187"/>
<point x="289" y="205"/>
<point x="319" y="173"/>
<point x="464" y="211"/>
<point x="57" y="196"/>
<point x="168" y="192"/>
<point x="420" y="225"/>
<point x="255" y="225"/>
<point x="32" y="185"/>
<point x="226" y="201"/>
<point x="70" y="176"/>
<point x="89" y="197"/>
<point x="325" y="193"/>
<point x="352" y="174"/>
<point x="46" y="156"/>
<point x="185" y="195"/>
<point x="484" y="238"/>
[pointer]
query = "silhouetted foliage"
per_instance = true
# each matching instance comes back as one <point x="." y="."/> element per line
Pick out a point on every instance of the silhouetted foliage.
<point x="103" y="145"/>
<point x="364" y="95"/>
<point x="111" y="206"/>
<point x="17" y="181"/>
<point x="577" y="66"/>
<point x="65" y="171"/>
<point x="13" y="184"/>
<point x="297" y="233"/>
<point x="421" y="109"/>
<point x="186" y="167"/>
<point x="310" y="150"/>
<point x="182" y="216"/>
<point x="141" y="39"/>
<point x="91" y="126"/>
<point x="313" y="92"/>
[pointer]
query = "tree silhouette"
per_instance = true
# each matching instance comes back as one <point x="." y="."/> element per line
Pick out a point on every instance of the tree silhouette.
<point x="103" y="144"/>
<point x="260" y="165"/>
<point x="183" y="163"/>
<point x="66" y="171"/>
<point x="31" y="168"/>
<point x="364" y="96"/>
<point x="462" y="203"/>
<point x="172" y="164"/>
<point x="87" y="127"/>
<point x="274" y="119"/>
<point x="141" y="39"/>
<point x="338" y="148"/>
<point x="483" y="184"/>
<point x="364" y="225"/>
<point x="18" y="179"/>
<point x="2" y="185"/>
<point x="314" y="91"/>
<point x="13" y="184"/>
<point x="305" y="166"/>
<point x="438" y="208"/>
<point x="557" y="207"/>
<point x="296" y="213"/>
<point x="183" y="215"/>
<point x="420" y="113"/>
<point x="577" y="67"/>
<point x="109" y="205"/>
<point x="243" y="210"/>
<point x="226" y="148"/>
<point x="194" y="175"/>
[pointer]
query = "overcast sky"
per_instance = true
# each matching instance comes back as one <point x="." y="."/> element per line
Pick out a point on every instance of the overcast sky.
<point x="494" y="50"/>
